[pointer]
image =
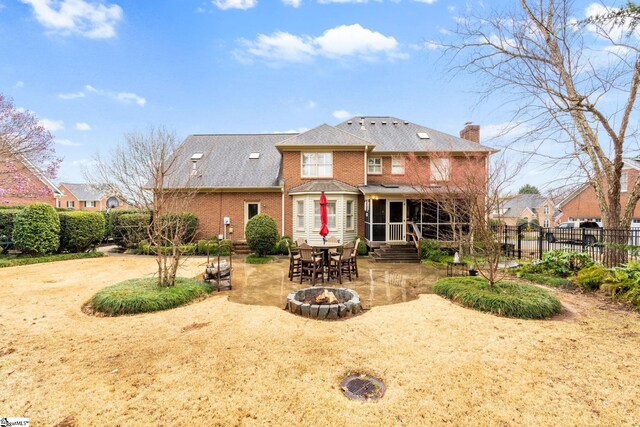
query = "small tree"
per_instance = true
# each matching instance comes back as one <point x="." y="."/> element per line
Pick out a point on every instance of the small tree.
<point x="145" y="173"/>
<point x="36" y="229"/>
<point x="262" y="234"/>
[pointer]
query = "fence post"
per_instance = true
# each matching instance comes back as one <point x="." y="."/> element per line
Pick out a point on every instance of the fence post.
<point x="540" y="237"/>
<point x="519" y="237"/>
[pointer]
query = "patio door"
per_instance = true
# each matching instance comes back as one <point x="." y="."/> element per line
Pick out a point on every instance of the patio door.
<point x="396" y="221"/>
<point x="251" y="209"/>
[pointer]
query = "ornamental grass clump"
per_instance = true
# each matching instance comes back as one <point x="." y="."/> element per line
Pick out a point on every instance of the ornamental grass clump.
<point x="144" y="295"/>
<point x="504" y="298"/>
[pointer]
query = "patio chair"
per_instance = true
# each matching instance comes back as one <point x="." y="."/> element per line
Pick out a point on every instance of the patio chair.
<point x="354" y="258"/>
<point x="335" y="267"/>
<point x="345" y="260"/>
<point x="300" y="241"/>
<point x="295" y="263"/>
<point x="332" y="240"/>
<point x="312" y="265"/>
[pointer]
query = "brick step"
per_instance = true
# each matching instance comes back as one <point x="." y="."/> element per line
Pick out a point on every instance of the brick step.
<point x="395" y="261"/>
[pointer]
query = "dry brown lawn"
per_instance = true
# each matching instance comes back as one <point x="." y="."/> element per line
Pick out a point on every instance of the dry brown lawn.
<point x="217" y="362"/>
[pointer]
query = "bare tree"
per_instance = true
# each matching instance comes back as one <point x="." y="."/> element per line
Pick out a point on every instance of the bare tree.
<point x="144" y="172"/>
<point x="26" y="148"/>
<point x="572" y="88"/>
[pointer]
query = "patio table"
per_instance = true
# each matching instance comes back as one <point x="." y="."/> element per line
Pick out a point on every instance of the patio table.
<point x="325" y="248"/>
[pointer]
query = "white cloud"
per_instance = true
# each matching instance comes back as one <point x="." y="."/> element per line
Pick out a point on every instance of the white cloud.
<point x="67" y="142"/>
<point x="311" y="105"/>
<point x="19" y="83"/>
<point x="90" y="19"/>
<point x="52" y="125"/>
<point x="82" y="126"/>
<point x="84" y="162"/>
<point x="235" y="4"/>
<point x="345" y="1"/>
<point x="340" y="42"/>
<point x="298" y="130"/>
<point x="341" y="114"/>
<point x="73" y="95"/>
<point x="292" y="3"/>
<point x="426" y="1"/>
<point x="128" y="98"/>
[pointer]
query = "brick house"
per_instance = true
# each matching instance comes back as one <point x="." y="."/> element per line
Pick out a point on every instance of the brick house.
<point x="582" y="204"/>
<point x="526" y="208"/>
<point x="366" y="166"/>
<point x="84" y="197"/>
<point x="22" y="183"/>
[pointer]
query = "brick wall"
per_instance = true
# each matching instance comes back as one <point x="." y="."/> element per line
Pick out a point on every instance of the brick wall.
<point x="38" y="191"/>
<point x="80" y="205"/>
<point x="211" y="207"/>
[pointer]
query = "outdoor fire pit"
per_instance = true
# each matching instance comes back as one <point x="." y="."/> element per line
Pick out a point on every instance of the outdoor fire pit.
<point x="324" y="303"/>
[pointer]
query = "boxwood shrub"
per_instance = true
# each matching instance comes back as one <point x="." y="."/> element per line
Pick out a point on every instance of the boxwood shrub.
<point x="36" y="229"/>
<point x="7" y="216"/>
<point x="187" y="221"/>
<point x="130" y="229"/>
<point x="262" y="234"/>
<point x="81" y="231"/>
<point x="210" y="247"/>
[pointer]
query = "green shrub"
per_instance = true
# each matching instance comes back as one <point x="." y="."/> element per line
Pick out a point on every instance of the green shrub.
<point x="130" y="229"/>
<point x="80" y="231"/>
<point x="144" y="295"/>
<point x="503" y="298"/>
<point x="560" y="263"/>
<point x="592" y="277"/>
<point x="544" y="279"/>
<point x="210" y="247"/>
<point x="113" y="224"/>
<point x="430" y="251"/>
<point x="13" y="261"/>
<point x="262" y="234"/>
<point x="280" y="247"/>
<point x="185" y="249"/>
<point x="362" y="246"/>
<point x="256" y="259"/>
<point x="36" y="229"/>
<point x="7" y="217"/>
<point x="185" y="224"/>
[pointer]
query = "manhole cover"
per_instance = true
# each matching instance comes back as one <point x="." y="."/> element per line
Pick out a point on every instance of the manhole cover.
<point x="362" y="387"/>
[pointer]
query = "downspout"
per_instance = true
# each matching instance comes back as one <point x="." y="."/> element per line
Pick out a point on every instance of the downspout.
<point x="365" y="164"/>
<point x="282" y="214"/>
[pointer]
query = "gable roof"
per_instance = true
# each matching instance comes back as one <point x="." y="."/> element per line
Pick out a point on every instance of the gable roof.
<point x="325" y="135"/>
<point x="40" y="175"/>
<point x="82" y="192"/>
<point x="395" y="135"/>
<point x="514" y="206"/>
<point x="226" y="163"/>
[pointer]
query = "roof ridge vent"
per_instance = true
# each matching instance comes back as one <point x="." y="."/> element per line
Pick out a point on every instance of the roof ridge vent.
<point x="395" y="122"/>
<point x="406" y="122"/>
<point x="373" y="122"/>
<point x="384" y="122"/>
<point x="349" y="122"/>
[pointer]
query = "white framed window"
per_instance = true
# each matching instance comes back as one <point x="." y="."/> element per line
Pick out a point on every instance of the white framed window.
<point x="90" y="203"/>
<point x="300" y="215"/>
<point x="375" y="166"/>
<point x="440" y="169"/>
<point x="70" y="204"/>
<point x="546" y="209"/>
<point x="317" y="165"/>
<point x="57" y="203"/>
<point x="397" y="165"/>
<point x="331" y="214"/>
<point x="624" y="182"/>
<point x="348" y="209"/>
<point x="545" y="223"/>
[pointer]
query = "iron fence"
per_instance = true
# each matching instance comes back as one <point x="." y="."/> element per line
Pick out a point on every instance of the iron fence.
<point x="611" y="247"/>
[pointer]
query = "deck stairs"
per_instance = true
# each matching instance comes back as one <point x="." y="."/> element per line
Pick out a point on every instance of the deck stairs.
<point x="401" y="253"/>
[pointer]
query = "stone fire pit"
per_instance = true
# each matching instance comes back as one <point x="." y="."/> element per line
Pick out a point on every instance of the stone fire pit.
<point x="324" y="303"/>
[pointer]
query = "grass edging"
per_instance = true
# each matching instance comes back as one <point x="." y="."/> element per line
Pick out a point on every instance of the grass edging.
<point x="547" y="280"/>
<point x="20" y="260"/>
<point x="144" y="295"/>
<point x="505" y="298"/>
<point x="255" y="259"/>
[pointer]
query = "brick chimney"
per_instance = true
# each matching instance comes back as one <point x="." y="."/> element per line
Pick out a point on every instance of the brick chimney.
<point x="471" y="132"/>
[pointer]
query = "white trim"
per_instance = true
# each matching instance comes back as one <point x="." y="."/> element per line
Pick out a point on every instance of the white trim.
<point x="246" y="213"/>
<point x="368" y="165"/>
<point x="302" y="174"/>
<point x="395" y="158"/>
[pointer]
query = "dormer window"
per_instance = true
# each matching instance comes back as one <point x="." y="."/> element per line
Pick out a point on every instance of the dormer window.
<point x="317" y="165"/>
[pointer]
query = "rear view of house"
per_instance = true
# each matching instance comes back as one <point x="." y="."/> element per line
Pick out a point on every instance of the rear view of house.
<point x="379" y="174"/>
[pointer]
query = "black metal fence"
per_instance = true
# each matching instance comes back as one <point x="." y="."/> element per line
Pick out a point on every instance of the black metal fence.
<point x="608" y="246"/>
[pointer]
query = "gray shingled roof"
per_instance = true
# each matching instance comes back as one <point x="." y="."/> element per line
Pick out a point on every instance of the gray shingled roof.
<point x="326" y="185"/>
<point x="516" y="204"/>
<point x="82" y="192"/>
<point x="395" y="135"/>
<point x="325" y="135"/>
<point x="633" y="162"/>
<point x="226" y="162"/>
<point x="401" y="189"/>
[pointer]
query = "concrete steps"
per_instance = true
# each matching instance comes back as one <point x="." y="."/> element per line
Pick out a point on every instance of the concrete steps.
<point x="401" y="253"/>
<point x="241" y="248"/>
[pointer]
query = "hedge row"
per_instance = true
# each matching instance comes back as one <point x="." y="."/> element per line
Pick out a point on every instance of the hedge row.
<point x="129" y="228"/>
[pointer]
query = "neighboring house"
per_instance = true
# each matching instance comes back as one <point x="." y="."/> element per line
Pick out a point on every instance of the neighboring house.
<point x="22" y="183"/>
<point x="85" y="197"/>
<point x="582" y="204"/>
<point x="526" y="208"/>
<point x="363" y="165"/>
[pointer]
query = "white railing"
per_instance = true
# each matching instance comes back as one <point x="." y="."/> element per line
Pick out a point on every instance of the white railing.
<point x="396" y="232"/>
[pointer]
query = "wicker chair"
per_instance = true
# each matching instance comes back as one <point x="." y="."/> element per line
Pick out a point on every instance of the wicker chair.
<point x="312" y="265"/>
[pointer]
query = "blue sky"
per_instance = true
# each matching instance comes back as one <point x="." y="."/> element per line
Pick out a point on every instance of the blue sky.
<point x="94" y="70"/>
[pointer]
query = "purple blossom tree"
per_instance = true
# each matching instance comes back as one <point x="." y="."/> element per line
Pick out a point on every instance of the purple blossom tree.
<point x="26" y="152"/>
